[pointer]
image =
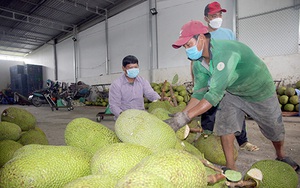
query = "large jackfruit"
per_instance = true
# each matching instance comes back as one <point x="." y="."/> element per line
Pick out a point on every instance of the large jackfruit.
<point x="140" y="127"/>
<point x="45" y="166"/>
<point x="117" y="159"/>
<point x="88" y="135"/>
<point x="93" y="181"/>
<point x="276" y="174"/>
<point x="186" y="146"/>
<point x="9" y="131"/>
<point x="161" y="113"/>
<point x="179" y="167"/>
<point x="33" y="136"/>
<point x="212" y="149"/>
<point x="19" y="116"/>
<point x="8" y="148"/>
<point x="138" y="179"/>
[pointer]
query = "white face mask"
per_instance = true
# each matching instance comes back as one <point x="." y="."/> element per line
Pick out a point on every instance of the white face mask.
<point x="216" y="23"/>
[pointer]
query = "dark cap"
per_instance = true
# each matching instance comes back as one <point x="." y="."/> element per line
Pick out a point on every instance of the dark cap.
<point x="213" y="8"/>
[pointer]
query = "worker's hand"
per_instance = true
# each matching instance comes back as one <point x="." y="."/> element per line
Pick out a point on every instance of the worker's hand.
<point x="173" y="115"/>
<point x="178" y="121"/>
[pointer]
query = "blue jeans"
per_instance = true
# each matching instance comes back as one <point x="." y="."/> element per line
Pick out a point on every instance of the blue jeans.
<point x="208" y="121"/>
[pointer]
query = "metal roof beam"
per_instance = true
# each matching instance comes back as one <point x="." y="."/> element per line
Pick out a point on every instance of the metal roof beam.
<point x="35" y="20"/>
<point x="26" y="31"/>
<point x="11" y="46"/>
<point x="21" y="42"/>
<point x="23" y="37"/>
<point x="86" y="6"/>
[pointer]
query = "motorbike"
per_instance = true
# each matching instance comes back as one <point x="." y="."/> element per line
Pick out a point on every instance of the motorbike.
<point x="40" y="97"/>
<point x="52" y="96"/>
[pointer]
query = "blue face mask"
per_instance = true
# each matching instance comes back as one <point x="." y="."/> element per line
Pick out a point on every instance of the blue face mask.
<point x="132" y="73"/>
<point x="193" y="52"/>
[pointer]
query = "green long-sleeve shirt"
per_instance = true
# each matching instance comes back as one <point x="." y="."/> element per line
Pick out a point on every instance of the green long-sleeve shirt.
<point x="233" y="68"/>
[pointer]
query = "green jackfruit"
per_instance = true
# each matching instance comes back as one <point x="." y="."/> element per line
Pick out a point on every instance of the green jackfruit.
<point x="161" y="113"/>
<point x="45" y="166"/>
<point x="19" y="116"/>
<point x="281" y="90"/>
<point x="8" y="148"/>
<point x="93" y="181"/>
<point x="297" y="108"/>
<point x="289" y="107"/>
<point x="290" y="91"/>
<point x="297" y="85"/>
<point x="88" y="135"/>
<point x="283" y="99"/>
<point x="294" y="100"/>
<point x="159" y="104"/>
<point x="121" y="156"/>
<point x="140" y="127"/>
<point x="276" y="174"/>
<point x="9" y="131"/>
<point x="212" y="149"/>
<point x="33" y="137"/>
<point x="179" y="167"/>
<point x="143" y="179"/>
<point x="186" y="146"/>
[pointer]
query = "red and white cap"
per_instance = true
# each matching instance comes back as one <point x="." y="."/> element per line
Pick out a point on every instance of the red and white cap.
<point x="189" y="30"/>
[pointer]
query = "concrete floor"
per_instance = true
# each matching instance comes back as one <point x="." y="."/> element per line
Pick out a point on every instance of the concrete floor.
<point x="53" y="123"/>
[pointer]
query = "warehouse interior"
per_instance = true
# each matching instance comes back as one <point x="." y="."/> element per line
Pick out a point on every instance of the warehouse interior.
<point x="77" y="40"/>
<point x="81" y="43"/>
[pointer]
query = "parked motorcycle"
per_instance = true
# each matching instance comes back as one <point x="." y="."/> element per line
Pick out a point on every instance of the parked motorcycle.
<point x="52" y="95"/>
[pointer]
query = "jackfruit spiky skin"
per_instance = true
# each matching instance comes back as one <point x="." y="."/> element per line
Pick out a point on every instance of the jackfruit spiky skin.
<point x="186" y="146"/>
<point x="212" y="149"/>
<point x="19" y="116"/>
<point x="179" y="167"/>
<point x="33" y="137"/>
<point x="161" y="113"/>
<point x="159" y="104"/>
<point x="290" y="91"/>
<point x="117" y="159"/>
<point x="45" y="166"/>
<point x="93" y="181"/>
<point x="8" y="148"/>
<point x="276" y="174"/>
<point x="88" y="135"/>
<point x="143" y="179"/>
<point x="140" y="127"/>
<point x="9" y="131"/>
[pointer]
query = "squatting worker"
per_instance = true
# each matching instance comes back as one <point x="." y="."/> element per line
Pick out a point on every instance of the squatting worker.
<point x="128" y="91"/>
<point x="240" y="83"/>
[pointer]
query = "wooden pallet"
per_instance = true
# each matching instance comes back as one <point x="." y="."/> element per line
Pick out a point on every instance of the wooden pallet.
<point x="289" y="114"/>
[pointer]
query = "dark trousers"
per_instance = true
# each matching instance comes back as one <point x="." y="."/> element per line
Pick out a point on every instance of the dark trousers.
<point x="208" y="121"/>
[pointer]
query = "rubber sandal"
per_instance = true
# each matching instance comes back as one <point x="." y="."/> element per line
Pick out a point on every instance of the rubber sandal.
<point x="249" y="147"/>
<point x="290" y="161"/>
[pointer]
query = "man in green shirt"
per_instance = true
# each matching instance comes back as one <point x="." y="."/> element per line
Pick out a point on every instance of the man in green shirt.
<point x="240" y="83"/>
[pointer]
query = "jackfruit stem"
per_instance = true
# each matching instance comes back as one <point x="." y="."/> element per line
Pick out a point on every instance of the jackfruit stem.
<point x="210" y="165"/>
<point x="242" y="183"/>
<point x="211" y="179"/>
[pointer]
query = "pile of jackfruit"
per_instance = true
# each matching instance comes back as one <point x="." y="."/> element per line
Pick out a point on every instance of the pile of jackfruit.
<point x="288" y="98"/>
<point x="176" y="94"/>
<point x="18" y="128"/>
<point x="141" y="151"/>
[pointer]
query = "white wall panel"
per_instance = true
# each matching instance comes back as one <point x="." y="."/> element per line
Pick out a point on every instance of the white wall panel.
<point x="128" y="35"/>
<point x="65" y="62"/>
<point x="92" y="51"/>
<point x="44" y="56"/>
